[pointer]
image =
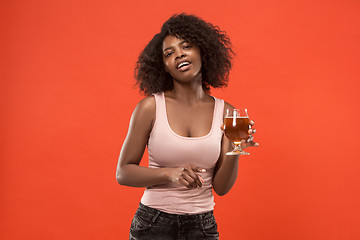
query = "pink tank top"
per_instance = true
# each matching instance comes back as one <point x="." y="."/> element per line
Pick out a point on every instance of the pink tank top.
<point x="168" y="149"/>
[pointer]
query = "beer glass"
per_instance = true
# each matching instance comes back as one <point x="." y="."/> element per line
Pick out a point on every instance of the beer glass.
<point x="236" y="129"/>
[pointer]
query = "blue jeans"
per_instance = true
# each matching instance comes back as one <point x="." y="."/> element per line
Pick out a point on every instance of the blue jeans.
<point x="152" y="224"/>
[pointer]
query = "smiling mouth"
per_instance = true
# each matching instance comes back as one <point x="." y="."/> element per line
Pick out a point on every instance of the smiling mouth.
<point x="183" y="65"/>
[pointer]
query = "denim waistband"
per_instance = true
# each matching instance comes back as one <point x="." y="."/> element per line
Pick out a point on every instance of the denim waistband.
<point x="175" y="216"/>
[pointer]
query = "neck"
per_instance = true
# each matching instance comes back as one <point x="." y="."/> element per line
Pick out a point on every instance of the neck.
<point x="188" y="92"/>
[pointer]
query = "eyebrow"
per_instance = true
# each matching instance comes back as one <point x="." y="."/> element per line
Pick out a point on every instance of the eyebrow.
<point x="184" y="41"/>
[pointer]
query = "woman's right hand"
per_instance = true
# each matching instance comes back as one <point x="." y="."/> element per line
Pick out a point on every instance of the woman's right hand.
<point x="188" y="176"/>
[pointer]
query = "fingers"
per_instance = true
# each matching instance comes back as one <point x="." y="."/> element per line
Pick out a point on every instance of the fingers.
<point x="192" y="177"/>
<point x="249" y="143"/>
<point x="188" y="182"/>
<point x="252" y="131"/>
<point x="252" y="144"/>
<point x="185" y="183"/>
<point x="191" y="182"/>
<point x="201" y="179"/>
<point x="189" y="176"/>
<point x="197" y="169"/>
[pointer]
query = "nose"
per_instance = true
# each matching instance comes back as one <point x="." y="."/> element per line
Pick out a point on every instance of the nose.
<point x="180" y="54"/>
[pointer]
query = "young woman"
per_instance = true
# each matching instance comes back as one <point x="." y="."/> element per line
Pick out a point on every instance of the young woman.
<point x="181" y="124"/>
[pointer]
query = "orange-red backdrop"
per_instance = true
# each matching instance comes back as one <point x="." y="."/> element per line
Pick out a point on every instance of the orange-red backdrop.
<point x="67" y="96"/>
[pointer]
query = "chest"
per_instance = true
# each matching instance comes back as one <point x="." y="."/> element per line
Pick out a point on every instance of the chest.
<point x="190" y="121"/>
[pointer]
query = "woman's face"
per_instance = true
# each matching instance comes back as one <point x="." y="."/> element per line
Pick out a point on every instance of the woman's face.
<point x="182" y="59"/>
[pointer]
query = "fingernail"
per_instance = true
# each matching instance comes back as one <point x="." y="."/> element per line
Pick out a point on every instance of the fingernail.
<point x="201" y="179"/>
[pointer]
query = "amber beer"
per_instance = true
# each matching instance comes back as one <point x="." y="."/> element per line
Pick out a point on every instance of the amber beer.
<point x="237" y="128"/>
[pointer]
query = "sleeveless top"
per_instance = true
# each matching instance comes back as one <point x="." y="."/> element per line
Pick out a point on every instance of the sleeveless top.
<point x="168" y="149"/>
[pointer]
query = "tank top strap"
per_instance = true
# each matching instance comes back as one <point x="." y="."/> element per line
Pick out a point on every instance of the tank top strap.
<point x="219" y="114"/>
<point x="160" y="108"/>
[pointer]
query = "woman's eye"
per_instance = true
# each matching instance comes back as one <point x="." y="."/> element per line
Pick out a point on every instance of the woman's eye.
<point x="168" y="54"/>
<point x="187" y="46"/>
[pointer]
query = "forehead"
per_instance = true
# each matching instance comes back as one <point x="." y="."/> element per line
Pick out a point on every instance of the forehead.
<point x="171" y="40"/>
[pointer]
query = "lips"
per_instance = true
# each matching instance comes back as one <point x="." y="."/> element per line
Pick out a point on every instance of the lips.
<point x="183" y="65"/>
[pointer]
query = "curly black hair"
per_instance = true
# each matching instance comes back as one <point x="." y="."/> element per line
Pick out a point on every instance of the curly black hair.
<point x="214" y="45"/>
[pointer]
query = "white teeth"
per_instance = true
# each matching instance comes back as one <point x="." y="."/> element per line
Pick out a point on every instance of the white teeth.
<point x="183" y="64"/>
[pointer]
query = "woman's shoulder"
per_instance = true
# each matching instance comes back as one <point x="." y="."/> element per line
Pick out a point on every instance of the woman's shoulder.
<point x="146" y="104"/>
<point x="227" y="106"/>
<point x="145" y="111"/>
<point x="145" y="107"/>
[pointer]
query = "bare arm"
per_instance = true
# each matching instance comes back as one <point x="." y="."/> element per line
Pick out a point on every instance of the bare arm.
<point x="129" y="172"/>
<point x="226" y="169"/>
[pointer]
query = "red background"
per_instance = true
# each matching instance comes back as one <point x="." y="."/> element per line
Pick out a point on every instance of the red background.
<point x="67" y="94"/>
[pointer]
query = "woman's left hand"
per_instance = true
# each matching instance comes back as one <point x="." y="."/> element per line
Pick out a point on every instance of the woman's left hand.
<point x="249" y="142"/>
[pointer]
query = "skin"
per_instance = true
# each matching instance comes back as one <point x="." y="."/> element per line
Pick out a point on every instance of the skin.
<point x="195" y="120"/>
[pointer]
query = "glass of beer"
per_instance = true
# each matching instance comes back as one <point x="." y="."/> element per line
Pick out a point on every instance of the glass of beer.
<point x="236" y="129"/>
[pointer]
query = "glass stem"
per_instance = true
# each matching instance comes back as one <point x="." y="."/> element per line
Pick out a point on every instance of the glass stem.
<point x="238" y="147"/>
